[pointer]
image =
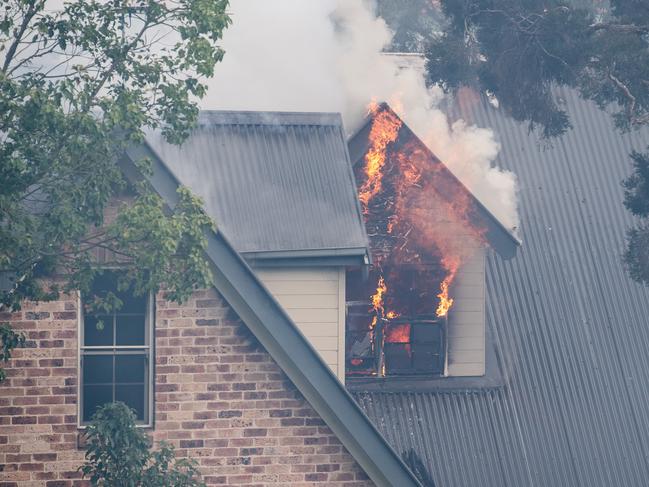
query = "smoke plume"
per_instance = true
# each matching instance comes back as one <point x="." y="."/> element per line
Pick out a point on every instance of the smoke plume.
<point x="326" y="55"/>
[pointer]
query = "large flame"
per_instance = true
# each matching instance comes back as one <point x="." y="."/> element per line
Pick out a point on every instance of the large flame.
<point x="421" y="216"/>
<point x="384" y="131"/>
<point x="423" y="225"/>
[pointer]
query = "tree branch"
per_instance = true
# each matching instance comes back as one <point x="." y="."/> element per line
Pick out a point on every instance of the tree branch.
<point x="29" y="15"/>
<point x="622" y="28"/>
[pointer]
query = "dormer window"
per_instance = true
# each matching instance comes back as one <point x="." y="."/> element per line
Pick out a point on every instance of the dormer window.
<point x="116" y="359"/>
<point x="419" y="310"/>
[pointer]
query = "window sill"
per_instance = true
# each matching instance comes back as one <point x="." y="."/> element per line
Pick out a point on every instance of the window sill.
<point x="493" y="379"/>
<point x="421" y="384"/>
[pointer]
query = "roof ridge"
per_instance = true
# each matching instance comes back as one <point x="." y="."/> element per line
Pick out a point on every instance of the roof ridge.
<point x="251" y="117"/>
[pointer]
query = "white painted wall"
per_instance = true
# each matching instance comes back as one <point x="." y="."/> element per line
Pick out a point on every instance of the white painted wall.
<point x="466" y="326"/>
<point x="314" y="297"/>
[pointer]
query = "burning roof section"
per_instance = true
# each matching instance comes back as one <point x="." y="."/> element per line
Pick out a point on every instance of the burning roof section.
<point x="424" y="226"/>
<point x="420" y="161"/>
<point x="279" y="184"/>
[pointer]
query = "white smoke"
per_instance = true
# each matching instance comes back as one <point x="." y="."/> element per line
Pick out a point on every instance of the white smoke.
<point x="326" y="55"/>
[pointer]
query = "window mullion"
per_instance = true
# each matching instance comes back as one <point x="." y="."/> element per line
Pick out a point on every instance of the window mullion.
<point x="114" y="353"/>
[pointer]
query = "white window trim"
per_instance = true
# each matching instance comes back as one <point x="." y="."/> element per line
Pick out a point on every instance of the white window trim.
<point x="150" y="348"/>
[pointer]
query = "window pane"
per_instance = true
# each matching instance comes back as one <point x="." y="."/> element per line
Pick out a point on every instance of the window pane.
<point x="97" y="369"/>
<point x="107" y="282"/>
<point x="92" y="336"/>
<point x="130" y="330"/>
<point x="130" y="369"/>
<point x="93" y="397"/>
<point x="131" y="303"/>
<point x="133" y="397"/>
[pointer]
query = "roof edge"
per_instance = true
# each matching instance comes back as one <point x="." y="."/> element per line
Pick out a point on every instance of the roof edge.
<point x="250" y="117"/>
<point x="271" y="325"/>
<point x="318" y="257"/>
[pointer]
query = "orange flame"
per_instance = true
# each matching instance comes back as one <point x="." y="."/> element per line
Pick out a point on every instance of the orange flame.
<point x="425" y="214"/>
<point x="377" y="300"/>
<point x="398" y="333"/>
<point x="445" y="301"/>
<point x="377" y="297"/>
<point x="384" y="131"/>
<point x="378" y="303"/>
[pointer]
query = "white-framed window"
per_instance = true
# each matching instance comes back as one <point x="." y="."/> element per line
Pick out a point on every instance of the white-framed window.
<point x="116" y="352"/>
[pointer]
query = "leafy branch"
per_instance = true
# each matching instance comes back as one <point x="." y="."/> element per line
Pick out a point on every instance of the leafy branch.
<point x="77" y="85"/>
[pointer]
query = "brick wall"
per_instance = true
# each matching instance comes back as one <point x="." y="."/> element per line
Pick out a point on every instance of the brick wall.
<point x="38" y="433"/>
<point x="220" y="398"/>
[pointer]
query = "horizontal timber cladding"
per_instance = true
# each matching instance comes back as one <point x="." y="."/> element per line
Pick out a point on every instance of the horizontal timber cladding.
<point x="314" y="298"/>
<point x="466" y="326"/>
<point x="219" y="398"/>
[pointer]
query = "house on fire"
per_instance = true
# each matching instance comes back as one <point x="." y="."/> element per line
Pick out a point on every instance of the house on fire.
<point x="429" y="237"/>
<point x="369" y="316"/>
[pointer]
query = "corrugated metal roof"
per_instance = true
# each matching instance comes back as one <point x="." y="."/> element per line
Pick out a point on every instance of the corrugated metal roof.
<point x="571" y="330"/>
<point x="274" y="182"/>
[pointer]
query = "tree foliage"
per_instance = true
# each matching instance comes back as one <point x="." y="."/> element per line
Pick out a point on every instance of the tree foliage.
<point x="521" y="50"/>
<point x="9" y="340"/>
<point x="636" y="200"/>
<point x="79" y="81"/>
<point x="411" y="22"/>
<point x="118" y="454"/>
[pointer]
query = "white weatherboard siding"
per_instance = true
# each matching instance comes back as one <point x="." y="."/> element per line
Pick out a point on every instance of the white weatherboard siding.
<point x="314" y="297"/>
<point x="466" y="327"/>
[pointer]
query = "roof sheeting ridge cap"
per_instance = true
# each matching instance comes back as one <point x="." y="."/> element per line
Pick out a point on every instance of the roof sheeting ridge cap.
<point x="243" y="117"/>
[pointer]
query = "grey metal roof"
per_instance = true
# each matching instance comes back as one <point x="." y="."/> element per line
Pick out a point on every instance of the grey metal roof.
<point x="276" y="183"/>
<point x="280" y="337"/>
<point x="571" y="330"/>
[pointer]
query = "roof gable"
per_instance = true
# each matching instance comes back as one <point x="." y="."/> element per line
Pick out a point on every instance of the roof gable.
<point x="447" y="185"/>
<point x="258" y="309"/>
<point x="279" y="184"/>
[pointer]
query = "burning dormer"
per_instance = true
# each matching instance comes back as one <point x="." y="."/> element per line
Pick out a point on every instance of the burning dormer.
<point x="420" y="308"/>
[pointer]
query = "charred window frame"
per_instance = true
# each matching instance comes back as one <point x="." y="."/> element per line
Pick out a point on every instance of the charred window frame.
<point x="396" y="345"/>
<point x="116" y="353"/>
